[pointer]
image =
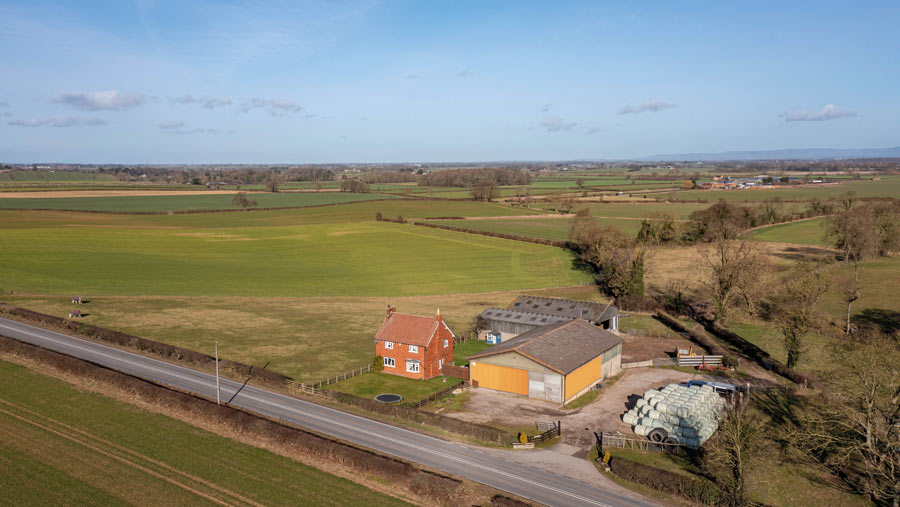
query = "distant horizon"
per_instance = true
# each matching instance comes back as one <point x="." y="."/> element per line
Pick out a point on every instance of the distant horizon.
<point x="193" y="81"/>
<point x="645" y="159"/>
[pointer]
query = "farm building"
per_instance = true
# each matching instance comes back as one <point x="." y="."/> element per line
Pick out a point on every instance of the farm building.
<point x="558" y="362"/>
<point x="530" y="312"/>
<point x="414" y="346"/>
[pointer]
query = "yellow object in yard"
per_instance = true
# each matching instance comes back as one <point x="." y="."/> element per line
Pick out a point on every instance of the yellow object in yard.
<point x="523" y="438"/>
<point x="606" y="458"/>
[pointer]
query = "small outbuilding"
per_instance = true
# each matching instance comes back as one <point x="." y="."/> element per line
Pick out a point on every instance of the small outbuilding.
<point x="557" y="362"/>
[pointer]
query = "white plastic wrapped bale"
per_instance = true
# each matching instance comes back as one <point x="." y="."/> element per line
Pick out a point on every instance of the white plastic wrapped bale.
<point x="676" y="413"/>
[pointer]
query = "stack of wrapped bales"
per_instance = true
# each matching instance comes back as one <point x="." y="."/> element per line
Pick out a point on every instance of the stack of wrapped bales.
<point x="677" y="414"/>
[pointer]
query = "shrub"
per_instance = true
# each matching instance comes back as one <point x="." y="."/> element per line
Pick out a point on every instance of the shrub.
<point x="700" y="490"/>
<point x="730" y="361"/>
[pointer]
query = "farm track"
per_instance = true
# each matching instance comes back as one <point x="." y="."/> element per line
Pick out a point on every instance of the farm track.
<point x="145" y="464"/>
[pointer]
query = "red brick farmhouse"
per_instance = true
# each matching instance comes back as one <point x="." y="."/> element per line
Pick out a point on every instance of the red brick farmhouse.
<point x="413" y="346"/>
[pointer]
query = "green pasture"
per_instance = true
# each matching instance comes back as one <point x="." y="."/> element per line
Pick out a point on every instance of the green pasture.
<point x="55" y="176"/>
<point x="307" y="338"/>
<point x="184" y="202"/>
<point x="637" y="209"/>
<point x="346" y="259"/>
<point x="556" y="229"/>
<point x="64" y="446"/>
<point x="804" y="232"/>
<point x="887" y="186"/>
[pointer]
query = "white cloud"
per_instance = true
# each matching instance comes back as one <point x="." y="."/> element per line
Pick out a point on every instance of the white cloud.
<point x="464" y="74"/>
<point x="202" y="101"/>
<point x="546" y="108"/>
<point x="171" y="125"/>
<point x="829" y="112"/>
<point x="593" y="130"/>
<point x="59" y="121"/>
<point x="275" y="107"/>
<point x="557" y="124"/>
<point x="199" y="131"/>
<point x="110" y="100"/>
<point x="652" y="106"/>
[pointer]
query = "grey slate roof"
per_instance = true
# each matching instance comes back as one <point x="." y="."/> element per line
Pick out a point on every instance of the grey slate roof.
<point x="594" y="312"/>
<point x="527" y="318"/>
<point x="562" y="347"/>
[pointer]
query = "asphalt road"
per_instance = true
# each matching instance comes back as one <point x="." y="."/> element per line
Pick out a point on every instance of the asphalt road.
<point x="457" y="459"/>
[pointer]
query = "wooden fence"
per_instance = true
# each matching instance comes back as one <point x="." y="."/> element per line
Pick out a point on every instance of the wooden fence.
<point x="553" y="432"/>
<point x="438" y="395"/>
<point x="342" y="376"/>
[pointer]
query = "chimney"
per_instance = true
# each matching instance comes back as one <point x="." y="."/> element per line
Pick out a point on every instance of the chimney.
<point x="390" y="310"/>
<point x="437" y="316"/>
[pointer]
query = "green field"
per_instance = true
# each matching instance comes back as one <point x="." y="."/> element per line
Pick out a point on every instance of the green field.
<point x="184" y="202"/>
<point x="638" y="210"/>
<point x="888" y="186"/>
<point x="54" y="176"/>
<point x="62" y="446"/>
<point x="806" y="232"/>
<point x="556" y="229"/>
<point x="370" y="385"/>
<point x="349" y="259"/>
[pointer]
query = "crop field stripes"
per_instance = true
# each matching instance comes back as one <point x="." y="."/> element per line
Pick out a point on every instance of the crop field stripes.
<point x="125" y="456"/>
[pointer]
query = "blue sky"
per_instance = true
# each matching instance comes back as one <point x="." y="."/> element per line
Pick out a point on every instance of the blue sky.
<point x="311" y="82"/>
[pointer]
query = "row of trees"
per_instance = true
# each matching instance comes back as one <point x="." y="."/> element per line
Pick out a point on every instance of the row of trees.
<point x="466" y="178"/>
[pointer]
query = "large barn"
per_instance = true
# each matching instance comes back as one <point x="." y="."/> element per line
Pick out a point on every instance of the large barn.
<point x="558" y="362"/>
<point x="530" y="312"/>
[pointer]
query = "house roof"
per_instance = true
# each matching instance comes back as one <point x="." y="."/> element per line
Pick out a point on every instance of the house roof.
<point x="563" y="347"/>
<point x="527" y="318"/>
<point x="594" y="312"/>
<point x="408" y="329"/>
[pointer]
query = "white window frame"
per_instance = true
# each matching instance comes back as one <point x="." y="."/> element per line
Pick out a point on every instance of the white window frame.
<point x="413" y="349"/>
<point x="389" y="345"/>
<point x="441" y="363"/>
<point x="412" y="366"/>
<point x="389" y="362"/>
<point x="446" y="343"/>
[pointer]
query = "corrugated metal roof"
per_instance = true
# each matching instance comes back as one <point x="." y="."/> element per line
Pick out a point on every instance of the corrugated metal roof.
<point x="407" y="329"/>
<point x="528" y="318"/>
<point x="562" y="347"/>
<point x="594" y="312"/>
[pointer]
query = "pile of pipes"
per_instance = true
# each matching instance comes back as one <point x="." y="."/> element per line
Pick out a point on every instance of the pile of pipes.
<point x="677" y="414"/>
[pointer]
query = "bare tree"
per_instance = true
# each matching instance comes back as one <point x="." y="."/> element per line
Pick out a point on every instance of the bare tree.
<point x="855" y="429"/>
<point x="735" y="268"/>
<point x="618" y="260"/>
<point x="794" y="307"/>
<point x="730" y="454"/>
<point x="273" y="182"/>
<point x="240" y="200"/>
<point x="851" y="293"/>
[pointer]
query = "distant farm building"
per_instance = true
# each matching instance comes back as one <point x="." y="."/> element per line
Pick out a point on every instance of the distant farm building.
<point x="414" y="346"/>
<point x="558" y="362"/>
<point x="530" y="312"/>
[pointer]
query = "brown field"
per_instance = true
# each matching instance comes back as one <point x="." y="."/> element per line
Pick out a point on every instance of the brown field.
<point x="108" y="193"/>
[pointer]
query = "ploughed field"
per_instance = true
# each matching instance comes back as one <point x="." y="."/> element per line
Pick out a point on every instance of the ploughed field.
<point x="62" y="446"/>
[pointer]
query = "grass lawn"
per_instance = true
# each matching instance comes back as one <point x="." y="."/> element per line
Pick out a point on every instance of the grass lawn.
<point x="184" y="202"/>
<point x="643" y="322"/>
<point x="556" y="229"/>
<point x="62" y="446"/>
<point x="462" y="350"/>
<point x="348" y="259"/>
<point x="806" y="232"/>
<point x="370" y="385"/>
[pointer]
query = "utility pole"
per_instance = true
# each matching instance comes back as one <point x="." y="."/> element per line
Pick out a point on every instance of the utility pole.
<point x="218" y="392"/>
